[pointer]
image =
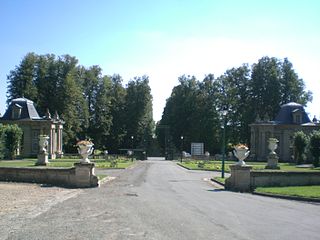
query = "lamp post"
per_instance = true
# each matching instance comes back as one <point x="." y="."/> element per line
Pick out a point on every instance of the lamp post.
<point x="181" y="148"/>
<point x="132" y="137"/>
<point x="224" y="114"/>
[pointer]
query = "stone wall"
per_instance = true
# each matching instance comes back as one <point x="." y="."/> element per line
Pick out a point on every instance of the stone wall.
<point x="279" y="178"/>
<point x="244" y="179"/>
<point x="82" y="175"/>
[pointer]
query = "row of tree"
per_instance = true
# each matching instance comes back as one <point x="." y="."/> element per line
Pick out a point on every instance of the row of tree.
<point x="115" y="116"/>
<point x="92" y="105"/>
<point x="195" y="109"/>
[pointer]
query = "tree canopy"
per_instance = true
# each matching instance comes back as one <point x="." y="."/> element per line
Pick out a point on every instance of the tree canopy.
<point x="194" y="108"/>
<point x="92" y="105"/>
<point x="102" y="108"/>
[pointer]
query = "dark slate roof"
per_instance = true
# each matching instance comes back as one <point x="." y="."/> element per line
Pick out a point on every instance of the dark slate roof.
<point x="285" y="114"/>
<point x="28" y="111"/>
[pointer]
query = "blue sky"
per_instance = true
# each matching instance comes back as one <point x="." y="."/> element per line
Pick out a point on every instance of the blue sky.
<point x="164" y="39"/>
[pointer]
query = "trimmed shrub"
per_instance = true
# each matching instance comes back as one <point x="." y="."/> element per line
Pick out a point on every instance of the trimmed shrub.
<point x="300" y="142"/>
<point x="12" y="136"/>
<point x="314" y="147"/>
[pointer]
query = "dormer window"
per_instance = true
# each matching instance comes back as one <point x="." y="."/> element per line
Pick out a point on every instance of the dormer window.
<point x="297" y="116"/>
<point x="297" y="119"/>
<point x="16" y="111"/>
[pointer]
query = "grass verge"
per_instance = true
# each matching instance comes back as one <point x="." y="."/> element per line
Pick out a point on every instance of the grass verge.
<point x="216" y="166"/>
<point x="220" y="180"/>
<point x="293" y="191"/>
<point x="99" y="163"/>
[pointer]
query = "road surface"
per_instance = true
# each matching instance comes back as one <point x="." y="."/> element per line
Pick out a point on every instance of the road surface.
<point x="160" y="200"/>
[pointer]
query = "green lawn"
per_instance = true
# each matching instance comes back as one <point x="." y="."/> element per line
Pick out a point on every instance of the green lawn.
<point x="296" y="191"/>
<point x="100" y="163"/>
<point x="216" y="166"/>
<point x="18" y="163"/>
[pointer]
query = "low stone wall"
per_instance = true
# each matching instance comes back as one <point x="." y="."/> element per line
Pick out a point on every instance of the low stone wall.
<point x="81" y="175"/>
<point x="244" y="179"/>
<point x="279" y="178"/>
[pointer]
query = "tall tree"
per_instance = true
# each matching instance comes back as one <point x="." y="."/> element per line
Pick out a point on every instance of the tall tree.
<point x="139" y="114"/>
<point x="21" y="80"/>
<point x="233" y="88"/>
<point x="292" y="87"/>
<point x="117" y="110"/>
<point x="92" y="77"/>
<point x="266" y="87"/>
<point x="191" y="112"/>
<point x="101" y="118"/>
<point x="74" y="111"/>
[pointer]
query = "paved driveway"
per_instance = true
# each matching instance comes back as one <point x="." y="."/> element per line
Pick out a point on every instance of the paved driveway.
<point x="159" y="200"/>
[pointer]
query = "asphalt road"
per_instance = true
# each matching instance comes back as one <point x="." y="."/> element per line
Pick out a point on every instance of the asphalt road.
<point x="159" y="200"/>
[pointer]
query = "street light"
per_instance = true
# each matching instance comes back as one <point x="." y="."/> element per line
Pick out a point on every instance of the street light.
<point x="132" y="137"/>
<point x="181" y="147"/>
<point x="224" y="114"/>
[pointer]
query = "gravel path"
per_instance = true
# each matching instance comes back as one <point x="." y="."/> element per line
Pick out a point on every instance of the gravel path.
<point x="30" y="199"/>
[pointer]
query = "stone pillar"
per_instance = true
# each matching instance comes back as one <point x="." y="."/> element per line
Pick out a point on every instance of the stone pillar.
<point x="59" y="142"/>
<point x="53" y="142"/>
<point x="239" y="179"/>
<point x="263" y="152"/>
<point x="84" y="175"/>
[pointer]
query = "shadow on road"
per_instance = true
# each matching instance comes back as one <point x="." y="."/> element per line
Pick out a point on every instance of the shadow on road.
<point x="216" y="190"/>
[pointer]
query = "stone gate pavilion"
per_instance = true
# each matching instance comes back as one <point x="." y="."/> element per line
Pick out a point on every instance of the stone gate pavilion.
<point x="290" y="119"/>
<point x="22" y="112"/>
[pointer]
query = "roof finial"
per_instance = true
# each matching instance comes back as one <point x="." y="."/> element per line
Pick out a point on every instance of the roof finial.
<point x="56" y="115"/>
<point x="48" y="115"/>
<point x="314" y="120"/>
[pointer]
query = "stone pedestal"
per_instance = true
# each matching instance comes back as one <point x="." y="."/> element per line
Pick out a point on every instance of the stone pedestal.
<point x="42" y="159"/>
<point x="239" y="179"/>
<point x="272" y="161"/>
<point x="84" y="175"/>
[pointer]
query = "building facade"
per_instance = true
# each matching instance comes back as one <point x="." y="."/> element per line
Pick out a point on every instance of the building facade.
<point x="290" y="119"/>
<point x="22" y="112"/>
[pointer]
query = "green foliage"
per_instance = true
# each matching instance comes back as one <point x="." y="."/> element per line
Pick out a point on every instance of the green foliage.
<point x="190" y="112"/>
<point x="101" y="118"/>
<point x="266" y="88"/>
<point x="11" y="135"/>
<point x="92" y="106"/>
<point x="194" y="109"/>
<point x="139" y="115"/>
<point x="315" y="147"/>
<point x="300" y="142"/>
<point x="201" y="164"/>
<point x="113" y="163"/>
<point x="101" y="108"/>
<point x="21" y="80"/>
<point x="118" y="129"/>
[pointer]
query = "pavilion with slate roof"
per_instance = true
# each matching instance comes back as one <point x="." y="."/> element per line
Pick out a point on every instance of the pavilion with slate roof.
<point x="290" y="119"/>
<point x="22" y="112"/>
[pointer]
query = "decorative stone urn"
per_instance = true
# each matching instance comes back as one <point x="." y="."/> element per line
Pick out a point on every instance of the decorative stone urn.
<point x="43" y="143"/>
<point x="43" y="151"/>
<point x="272" y="158"/>
<point x="241" y="153"/>
<point x="85" y="148"/>
<point x="273" y="144"/>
